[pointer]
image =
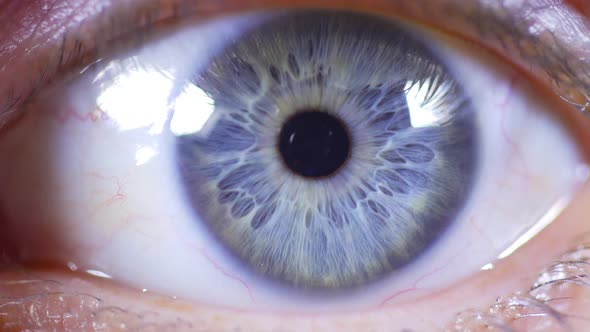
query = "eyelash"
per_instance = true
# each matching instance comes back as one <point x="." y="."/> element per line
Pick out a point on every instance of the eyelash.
<point x="110" y="30"/>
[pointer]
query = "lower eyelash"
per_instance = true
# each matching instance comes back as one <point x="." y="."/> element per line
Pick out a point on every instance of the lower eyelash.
<point x="547" y="305"/>
<point x="544" y="305"/>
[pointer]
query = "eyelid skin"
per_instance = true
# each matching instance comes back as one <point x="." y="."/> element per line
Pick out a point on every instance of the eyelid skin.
<point x="35" y="53"/>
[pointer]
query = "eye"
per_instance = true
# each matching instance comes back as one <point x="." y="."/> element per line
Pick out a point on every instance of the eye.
<point x="299" y="160"/>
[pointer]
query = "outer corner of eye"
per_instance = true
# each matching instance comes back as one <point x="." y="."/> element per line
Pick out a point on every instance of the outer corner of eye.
<point x="300" y="160"/>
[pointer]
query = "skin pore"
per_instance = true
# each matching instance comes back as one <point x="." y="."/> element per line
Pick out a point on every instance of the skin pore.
<point x="40" y="40"/>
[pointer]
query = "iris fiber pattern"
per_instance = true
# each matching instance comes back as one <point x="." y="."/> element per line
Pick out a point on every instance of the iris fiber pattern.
<point x="401" y="187"/>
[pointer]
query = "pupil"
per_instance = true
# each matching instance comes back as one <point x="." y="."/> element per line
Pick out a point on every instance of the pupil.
<point x="314" y="143"/>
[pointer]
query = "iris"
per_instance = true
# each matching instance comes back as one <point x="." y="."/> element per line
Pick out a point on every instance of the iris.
<point x="340" y="149"/>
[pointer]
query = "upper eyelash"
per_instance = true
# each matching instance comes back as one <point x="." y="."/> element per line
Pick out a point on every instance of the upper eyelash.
<point x="568" y="74"/>
<point x="508" y="30"/>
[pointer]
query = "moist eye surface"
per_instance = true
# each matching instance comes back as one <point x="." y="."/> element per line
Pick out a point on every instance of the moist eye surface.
<point x="339" y="150"/>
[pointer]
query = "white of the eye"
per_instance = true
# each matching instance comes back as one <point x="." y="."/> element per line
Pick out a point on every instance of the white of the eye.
<point x="121" y="203"/>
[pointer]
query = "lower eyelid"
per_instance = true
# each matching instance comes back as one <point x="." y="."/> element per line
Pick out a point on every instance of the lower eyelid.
<point x="70" y="299"/>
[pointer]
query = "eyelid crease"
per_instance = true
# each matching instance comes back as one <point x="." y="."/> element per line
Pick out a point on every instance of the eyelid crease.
<point x="103" y="25"/>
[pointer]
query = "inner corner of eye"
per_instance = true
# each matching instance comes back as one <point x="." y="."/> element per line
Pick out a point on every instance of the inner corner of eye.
<point x="299" y="155"/>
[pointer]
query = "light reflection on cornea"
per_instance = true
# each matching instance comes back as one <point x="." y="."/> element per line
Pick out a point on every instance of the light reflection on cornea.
<point x="420" y="104"/>
<point x="134" y="97"/>
<point x="582" y="175"/>
<point x="144" y="154"/>
<point x="92" y="65"/>
<point x="72" y="266"/>
<point x="192" y="109"/>
<point x="543" y="222"/>
<point x="488" y="267"/>
<point x="99" y="274"/>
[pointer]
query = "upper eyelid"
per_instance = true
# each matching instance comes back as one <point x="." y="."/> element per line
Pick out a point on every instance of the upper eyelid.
<point x="550" y="46"/>
<point x="50" y="47"/>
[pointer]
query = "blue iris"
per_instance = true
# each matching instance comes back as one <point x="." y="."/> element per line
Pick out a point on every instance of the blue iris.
<point x="384" y="199"/>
